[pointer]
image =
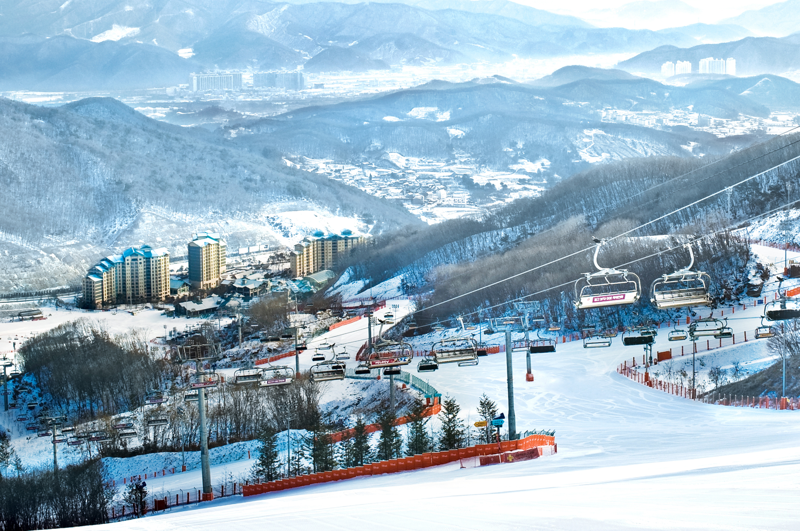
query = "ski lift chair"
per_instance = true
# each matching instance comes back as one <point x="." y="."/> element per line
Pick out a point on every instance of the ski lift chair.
<point x="127" y="434"/>
<point x="155" y="397"/>
<point x="362" y="369"/>
<point x="726" y="332"/>
<point x="677" y="335"/>
<point x="634" y="337"/>
<point x="32" y="426"/>
<point x="782" y="309"/>
<point x="327" y="371"/>
<point x="6" y="363"/>
<point x="32" y="405"/>
<point x="392" y="371"/>
<point x="596" y="341"/>
<point x="207" y="380"/>
<point x="427" y="364"/>
<point x="388" y="318"/>
<point x="152" y="423"/>
<point x="606" y="287"/>
<point x="682" y="288"/>
<point x="287" y="334"/>
<point x="276" y="376"/>
<point x="246" y="376"/>
<point x="121" y="426"/>
<point x="74" y="441"/>
<point x="22" y="418"/>
<point x="44" y="433"/>
<point x="541" y="345"/>
<point x="705" y="327"/>
<point x="463" y="351"/>
<point x="191" y="396"/>
<point x="68" y="429"/>
<point x="764" y="331"/>
<point x="98" y="436"/>
<point x="390" y="354"/>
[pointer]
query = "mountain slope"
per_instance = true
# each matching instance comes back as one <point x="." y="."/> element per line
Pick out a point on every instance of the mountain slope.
<point x="570" y="74"/>
<point x="64" y="63"/>
<point x="775" y="92"/>
<point x="754" y="55"/>
<point x="95" y="175"/>
<point x="497" y="125"/>
<point x="711" y="33"/>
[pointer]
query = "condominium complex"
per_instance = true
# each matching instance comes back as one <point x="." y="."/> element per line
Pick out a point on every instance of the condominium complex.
<point x="668" y="69"/>
<point x="207" y="260"/>
<point x="139" y="274"/>
<point x="221" y="81"/>
<point x="320" y="252"/>
<point x="683" y="67"/>
<point x="709" y="65"/>
<point x="284" y="80"/>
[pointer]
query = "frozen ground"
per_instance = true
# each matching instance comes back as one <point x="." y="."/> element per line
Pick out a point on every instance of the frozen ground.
<point x="630" y="457"/>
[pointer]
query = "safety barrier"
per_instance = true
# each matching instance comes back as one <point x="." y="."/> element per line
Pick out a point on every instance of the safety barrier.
<point x="505" y="452"/>
<point x="345" y="322"/>
<point x="433" y="409"/>
<point x="758" y="402"/>
<point x="270" y="359"/>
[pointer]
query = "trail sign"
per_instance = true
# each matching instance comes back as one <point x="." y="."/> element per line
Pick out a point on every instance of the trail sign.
<point x="480" y="424"/>
<point x="498" y="422"/>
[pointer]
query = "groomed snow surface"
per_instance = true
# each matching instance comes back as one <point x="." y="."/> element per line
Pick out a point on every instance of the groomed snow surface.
<point x="629" y="457"/>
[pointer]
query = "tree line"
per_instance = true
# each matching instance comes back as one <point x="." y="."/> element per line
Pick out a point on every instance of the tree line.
<point x="317" y="451"/>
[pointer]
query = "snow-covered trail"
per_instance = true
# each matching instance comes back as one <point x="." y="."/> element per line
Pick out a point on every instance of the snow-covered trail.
<point x="629" y="457"/>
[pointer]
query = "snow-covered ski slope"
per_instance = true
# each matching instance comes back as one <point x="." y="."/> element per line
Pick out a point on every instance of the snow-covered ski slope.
<point x="629" y="457"/>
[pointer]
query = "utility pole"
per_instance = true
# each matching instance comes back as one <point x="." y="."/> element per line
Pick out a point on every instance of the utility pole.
<point x="296" y="352"/>
<point x="512" y="418"/>
<point x="205" y="463"/>
<point x="5" y="386"/>
<point x="239" y="321"/>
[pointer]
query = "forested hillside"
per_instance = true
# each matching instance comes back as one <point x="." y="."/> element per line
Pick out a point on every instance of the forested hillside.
<point x="84" y="174"/>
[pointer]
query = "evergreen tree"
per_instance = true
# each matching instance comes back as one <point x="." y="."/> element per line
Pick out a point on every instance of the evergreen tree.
<point x="390" y="444"/>
<point x="297" y="462"/>
<point x="419" y="442"/>
<point x="451" y="435"/>
<point x="320" y="444"/>
<point x="360" y="451"/>
<point x="7" y="453"/>
<point x="487" y="409"/>
<point x="268" y="466"/>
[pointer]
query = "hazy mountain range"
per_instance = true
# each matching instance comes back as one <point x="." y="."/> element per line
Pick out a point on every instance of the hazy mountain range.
<point x="776" y="20"/>
<point x="120" y="43"/>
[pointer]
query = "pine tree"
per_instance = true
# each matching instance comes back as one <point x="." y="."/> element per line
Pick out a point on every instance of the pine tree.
<point x="268" y="466"/>
<point x="320" y="444"/>
<point x="419" y="442"/>
<point x="7" y="453"/>
<point x="487" y="409"/>
<point x="360" y="450"/>
<point x="451" y="436"/>
<point x="390" y="444"/>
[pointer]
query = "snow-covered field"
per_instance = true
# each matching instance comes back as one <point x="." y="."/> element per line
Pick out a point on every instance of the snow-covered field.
<point x="629" y="457"/>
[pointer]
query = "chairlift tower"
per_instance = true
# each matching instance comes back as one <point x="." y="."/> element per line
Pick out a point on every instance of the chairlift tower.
<point x="198" y="353"/>
<point x="6" y="364"/>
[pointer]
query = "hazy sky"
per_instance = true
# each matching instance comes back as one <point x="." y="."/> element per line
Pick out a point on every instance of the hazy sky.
<point x="713" y="9"/>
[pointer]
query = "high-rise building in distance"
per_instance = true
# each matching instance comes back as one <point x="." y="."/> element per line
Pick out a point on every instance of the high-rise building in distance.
<point x="709" y="65"/>
<point x="207" y="260"/>
<point x="730" y="66"/>
<point x="668" y="69"/>
<point x="139" y="274"/>
<point x="320" y="252"/>
<point x="221" y="81"/>
<point x="683" y="67"/>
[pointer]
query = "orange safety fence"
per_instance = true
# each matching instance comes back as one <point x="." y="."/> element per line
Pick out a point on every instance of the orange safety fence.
<point x="345" y="322"/>
<point x="507" y="451"/>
